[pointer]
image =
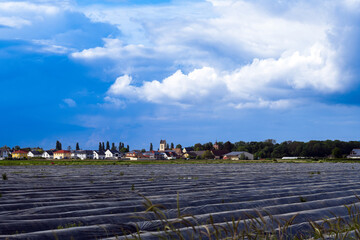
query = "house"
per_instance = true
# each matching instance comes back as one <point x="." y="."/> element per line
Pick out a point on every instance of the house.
<point x="170" y="155"/>
<point x="190" y="154"/>
<point x="48" y="154"/>
<point x="162" y="145"/>
<point x="355" y="153"/>
<point x="134" y="155"/>
<point x="34" y="154"/>
<point x="239" y="156"/>
<point x="4" y="153"/>
<point x="19" y="154"/>
<point x="99" y="154"/>
<point x="154" y="155"/>
<point x="187" y="149"/>
<point x="112" y="154"/>
<point x="178" y="151"/>
<point x="219" y="154"/>
<point x="62" y="154"/>
<point x="82" y="154"/>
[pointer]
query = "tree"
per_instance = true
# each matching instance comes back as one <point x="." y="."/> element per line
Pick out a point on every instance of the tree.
<point x="178" y="146"/>
<point x="123" y="150"/>
<point x="167" y="146"/>
<point x="127" y="148"/>
<point x="172" y="146"/>
<point x="207" y="155"/>
<point x="198" y="147"/>
<point x="228" y="146"/>
<point x="103" y="146"/>
<point x="120" y="146"/>
<point x="151" y="147"/>
<point x="58" y="145"/>
<point x="100" y="147"/>
<point x="336" y="152"/>
<point x="113" y="148"/>
<point x="143" y="150"/>
<point x="16" y="148"/>
<point x="77" y="146"/>
<point x="107" y="145"/>
<point x="208" y="146"/>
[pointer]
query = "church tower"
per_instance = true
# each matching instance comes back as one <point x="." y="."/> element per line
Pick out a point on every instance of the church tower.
<point x="162" y="145"/>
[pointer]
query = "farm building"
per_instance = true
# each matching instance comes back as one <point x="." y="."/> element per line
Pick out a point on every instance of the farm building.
<point x="239" y="156"/>
<point x="355" y="153"/>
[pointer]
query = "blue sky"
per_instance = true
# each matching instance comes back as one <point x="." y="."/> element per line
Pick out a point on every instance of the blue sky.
<point x="185" y="71"/>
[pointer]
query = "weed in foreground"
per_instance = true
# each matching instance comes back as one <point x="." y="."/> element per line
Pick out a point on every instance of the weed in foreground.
<point x="185" y="226"/>
<point x="4" y="176"/>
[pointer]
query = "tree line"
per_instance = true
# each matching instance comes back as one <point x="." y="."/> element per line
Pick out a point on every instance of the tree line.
<point x="270" y="149"/>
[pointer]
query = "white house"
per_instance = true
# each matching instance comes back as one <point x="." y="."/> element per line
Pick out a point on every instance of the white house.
<point x="48" y="154"/>
<point x="82" y="154"/>
<point x="4" y="154"/>
<point x="112" y="154"/>
<point x="99" y="154"/>
<point x="239" y="156"/>
<point x="355" y="153"/>
<point x="33" y="154"/>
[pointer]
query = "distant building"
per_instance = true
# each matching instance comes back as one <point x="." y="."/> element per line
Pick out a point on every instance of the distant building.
<point x="355" y="153"/>
<point x="62" y="154"/>
<point x="187" y="149"/>
<point x="112" y="154"/>
<point x="99" y="154"/>
<point x="219" y="154"/>
<point x="34" y="154"/>
<point x="19" y="154"/>
<point x="134" y="155"/>
<point x="82" y="154"/>
<point x="4" y="153"/>
<point x="153" y="155"/>
<point x="48" y="154"/>
<point x="162" y="145"/>
<point x="239" y="156"/>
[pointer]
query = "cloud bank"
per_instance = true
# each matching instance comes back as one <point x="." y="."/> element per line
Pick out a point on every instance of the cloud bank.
<point x="240" y="54"/>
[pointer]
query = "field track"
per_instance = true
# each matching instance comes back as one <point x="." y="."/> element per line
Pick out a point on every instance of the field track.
<point x="99" y="202"/>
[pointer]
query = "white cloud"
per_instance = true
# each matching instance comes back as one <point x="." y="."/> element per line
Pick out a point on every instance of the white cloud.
<point x="16" y="7"/>
<point x="69" y="102"/>
<point x="238" y="53"/>
<point x="15" y="22"/>
<point x="111" y="102"/>
<point x="113" y="48"/>
<point x="264" y="83"/>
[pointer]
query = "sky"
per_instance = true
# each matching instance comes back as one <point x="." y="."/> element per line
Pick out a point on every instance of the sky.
<point x="185" y="71"/>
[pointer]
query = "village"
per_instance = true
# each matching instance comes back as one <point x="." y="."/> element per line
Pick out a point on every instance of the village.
<point x="163" y="153"/>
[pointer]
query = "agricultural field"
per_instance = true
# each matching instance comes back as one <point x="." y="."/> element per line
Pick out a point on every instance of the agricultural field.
<point x="189" y="200"/>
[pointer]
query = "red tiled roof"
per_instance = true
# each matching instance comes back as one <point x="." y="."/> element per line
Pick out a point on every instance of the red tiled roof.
<point x="20" y="151"/>
<point x="62" y="151"/>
